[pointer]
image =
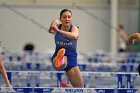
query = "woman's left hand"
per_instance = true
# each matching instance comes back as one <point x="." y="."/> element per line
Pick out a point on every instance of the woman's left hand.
<point x="55" y="28"/>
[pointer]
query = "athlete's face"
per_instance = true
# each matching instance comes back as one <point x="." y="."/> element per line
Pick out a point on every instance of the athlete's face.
<point x="66" y="18"/>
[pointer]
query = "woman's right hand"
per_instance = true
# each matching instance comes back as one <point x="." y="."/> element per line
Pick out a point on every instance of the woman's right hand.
<point x="55" y="23"/>
<point x="50" y="30"/>
<point x="54" y="28"/>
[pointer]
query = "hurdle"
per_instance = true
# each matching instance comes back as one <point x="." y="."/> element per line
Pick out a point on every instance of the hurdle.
<point x="66" y="90"/>
<point x="124" y="80"/>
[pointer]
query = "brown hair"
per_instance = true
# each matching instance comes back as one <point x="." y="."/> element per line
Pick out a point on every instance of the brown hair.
<point x="64" y="10"/>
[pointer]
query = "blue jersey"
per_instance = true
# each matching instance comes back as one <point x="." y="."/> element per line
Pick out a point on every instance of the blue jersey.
<point x="70" y="46"/>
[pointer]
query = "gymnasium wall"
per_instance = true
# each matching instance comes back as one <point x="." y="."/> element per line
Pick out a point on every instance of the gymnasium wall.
<point x="15" y="30"/>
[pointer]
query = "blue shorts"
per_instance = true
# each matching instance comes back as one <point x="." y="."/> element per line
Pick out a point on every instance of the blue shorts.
<point x="71" y="62"/>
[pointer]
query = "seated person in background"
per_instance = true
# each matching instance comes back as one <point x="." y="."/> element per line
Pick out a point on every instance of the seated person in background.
<point x="122" y="38"/>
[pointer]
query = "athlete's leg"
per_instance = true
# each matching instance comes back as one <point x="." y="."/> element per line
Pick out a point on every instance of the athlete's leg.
<point x="75" y="77"/>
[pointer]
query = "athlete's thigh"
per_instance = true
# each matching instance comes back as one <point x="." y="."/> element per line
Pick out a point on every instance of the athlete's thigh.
<point x="75" y="77"/>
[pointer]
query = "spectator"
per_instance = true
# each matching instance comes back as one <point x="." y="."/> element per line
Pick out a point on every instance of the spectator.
<point x="122" y="38"/>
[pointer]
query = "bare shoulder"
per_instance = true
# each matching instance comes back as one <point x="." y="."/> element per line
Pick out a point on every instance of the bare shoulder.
<point x="75" y="28"/>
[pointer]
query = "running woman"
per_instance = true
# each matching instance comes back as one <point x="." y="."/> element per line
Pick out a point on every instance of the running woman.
<point x="65" y="55"/>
